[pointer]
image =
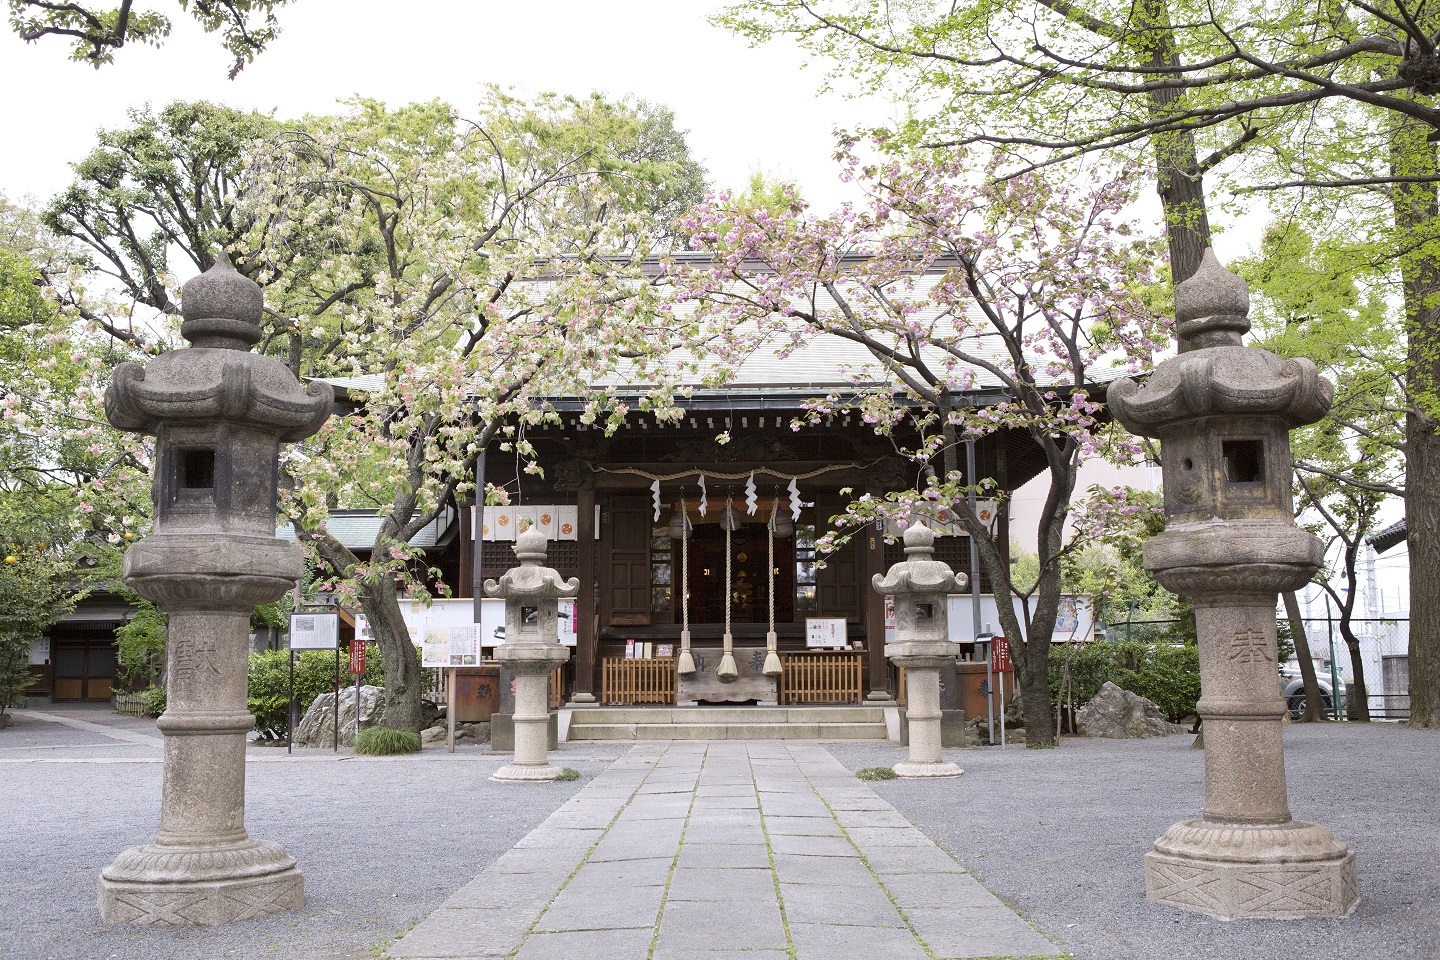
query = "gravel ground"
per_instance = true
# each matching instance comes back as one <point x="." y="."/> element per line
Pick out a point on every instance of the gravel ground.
<point x="381" y="841"/>
<point x="1061" y="834"/>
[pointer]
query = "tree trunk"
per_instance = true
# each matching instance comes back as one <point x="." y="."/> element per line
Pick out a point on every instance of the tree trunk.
<point x="381" y="604"/>
<point x="1314" y="700"/>
<point x="402" y="668"/>
<point x="1416" y="221"/>
<point x="1357" y="703"/>
<point x="1179" y="178"/>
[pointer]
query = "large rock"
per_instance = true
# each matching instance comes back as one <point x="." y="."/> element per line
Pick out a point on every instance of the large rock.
<point x="1118" y="714"/>
<point x="317" y="729"/>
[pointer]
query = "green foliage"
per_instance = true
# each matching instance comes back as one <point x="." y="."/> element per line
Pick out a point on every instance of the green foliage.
<point x="384" y="742"/>
<point x="567" y="775"/>
<point x="154" y="699"/>
<point x="32" y="596"/>
<point x="1166" y="673"/>
<point x="269" y="683"/>
<point x="876" y="773"/>
<point x="246" y="27"/>
<point x="141" y="646"/>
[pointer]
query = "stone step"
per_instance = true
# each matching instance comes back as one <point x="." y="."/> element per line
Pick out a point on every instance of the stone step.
<point x="726" y="715"/>
<point x="728" y="731"/>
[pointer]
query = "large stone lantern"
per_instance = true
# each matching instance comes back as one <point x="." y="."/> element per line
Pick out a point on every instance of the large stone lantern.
<point x="1223" y="412"/>
<point x="219" y="413"/>
<point x="921" y="586"/>
<point x="531" y="651"/>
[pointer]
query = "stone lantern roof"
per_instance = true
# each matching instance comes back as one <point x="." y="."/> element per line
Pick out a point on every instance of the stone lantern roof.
<point x="218" y="379"/>
<point x="920" y="572"/>
<point x="1219" y="376"/>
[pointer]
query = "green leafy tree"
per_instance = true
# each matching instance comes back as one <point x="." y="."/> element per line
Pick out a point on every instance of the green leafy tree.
<point x="246" y="27"/>
<point x="1311" y="301"/>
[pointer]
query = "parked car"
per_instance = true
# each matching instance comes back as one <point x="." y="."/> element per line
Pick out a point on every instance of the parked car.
<point x="1292" y="686"/>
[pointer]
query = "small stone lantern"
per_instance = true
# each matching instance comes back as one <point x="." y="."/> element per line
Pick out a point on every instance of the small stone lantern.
<point x="921" y="586"/>
<point x="1223" y="412"/>
<point x="531" y="651"/>
<point x="219" y="413"/>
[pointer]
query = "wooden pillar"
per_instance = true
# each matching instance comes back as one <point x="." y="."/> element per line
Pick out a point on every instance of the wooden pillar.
<point x="466" y="585"/>
<point x="584" y="689"/>
<point x="871" y="563"/>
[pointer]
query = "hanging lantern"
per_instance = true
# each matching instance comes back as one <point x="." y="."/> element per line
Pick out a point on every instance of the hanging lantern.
<point x="679" y="525"/>
<point x="782" y="525"/>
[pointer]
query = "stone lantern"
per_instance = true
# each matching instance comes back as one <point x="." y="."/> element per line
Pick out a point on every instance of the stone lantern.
<point x="219" y="413"/>
<point x="531" y="651"/>
<point x="921" y="586"/>
<point x="1223" y="412"/>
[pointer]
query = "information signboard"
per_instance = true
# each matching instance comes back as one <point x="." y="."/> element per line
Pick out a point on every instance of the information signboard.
<point x="357" y="657"/>
<point x="314" y="631"/>
<point x="825" y="632"/>
<point x="1000" y="655"/>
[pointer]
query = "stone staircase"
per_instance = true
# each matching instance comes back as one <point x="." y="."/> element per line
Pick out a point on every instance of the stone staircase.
<point x="727" y="723"/>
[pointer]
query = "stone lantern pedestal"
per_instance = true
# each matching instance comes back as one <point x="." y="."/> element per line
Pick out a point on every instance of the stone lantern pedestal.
<point x="1223" y="412"/>
<point x="531" y="651"/>
<point x="220" y="413"/>
<point x="921" y="586"/>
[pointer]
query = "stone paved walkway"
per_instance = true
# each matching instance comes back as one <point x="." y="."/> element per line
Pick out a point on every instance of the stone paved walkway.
<point x="722" y="851"/>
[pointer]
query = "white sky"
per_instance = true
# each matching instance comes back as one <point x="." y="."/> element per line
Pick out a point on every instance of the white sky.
<point x="745" y="109"/>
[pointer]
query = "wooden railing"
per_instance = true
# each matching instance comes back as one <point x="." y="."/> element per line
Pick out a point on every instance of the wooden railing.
<point x="821" y="677"/>
<point x="558" y="693"/>
<point x="637" y="681"/>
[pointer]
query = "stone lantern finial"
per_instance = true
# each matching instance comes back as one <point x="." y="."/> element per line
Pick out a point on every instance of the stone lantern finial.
<point x="222" y="308"/>
<point x="1212" y="306"/>
<point x="531" y="547"/>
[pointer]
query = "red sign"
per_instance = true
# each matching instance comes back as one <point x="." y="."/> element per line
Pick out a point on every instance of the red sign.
<point x="1000" y="655"/>
<point x="357" y="657"/>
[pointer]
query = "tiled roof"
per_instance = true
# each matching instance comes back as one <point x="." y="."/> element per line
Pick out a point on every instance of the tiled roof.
<point x="357" y="529"/>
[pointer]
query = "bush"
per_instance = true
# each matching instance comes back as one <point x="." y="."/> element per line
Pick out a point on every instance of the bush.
<point x="269" y="683"/>
<point x="383" y="741"/>
<point x="1168" y="674"/>
<point x="153" y="701"/>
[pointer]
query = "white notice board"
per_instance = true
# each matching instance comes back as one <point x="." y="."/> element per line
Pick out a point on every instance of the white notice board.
<point x="314" y="631"/>
<point x="825" y="632"/>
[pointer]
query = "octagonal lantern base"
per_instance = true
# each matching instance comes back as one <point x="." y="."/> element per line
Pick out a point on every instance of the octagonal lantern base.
<point x="910" y="770"/>
<point x="200" y="886"/>
<point x="526" y="773"/>
<point x="1288" y="871"/>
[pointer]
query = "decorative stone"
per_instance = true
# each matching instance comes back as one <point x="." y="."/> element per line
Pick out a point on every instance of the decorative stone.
<point x="921" y="586"/>
<point x="317" y="727"/>
<point x="1117" y="714"/>
<point x="531" y="650"/>
<point x="219" y="414"/>
<point x="1223" y="413"/>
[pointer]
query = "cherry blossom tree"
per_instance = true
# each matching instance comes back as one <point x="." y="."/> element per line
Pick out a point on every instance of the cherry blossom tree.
<point x="456" y="275"/>
<point x="955" y="282"/>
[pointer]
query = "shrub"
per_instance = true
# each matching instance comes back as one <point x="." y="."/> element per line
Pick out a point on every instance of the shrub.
<point x="383" y="741"/>
<point x="269" y="683"/>
<point x="1166" y="673"/>
<point x="153" y="701"/>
